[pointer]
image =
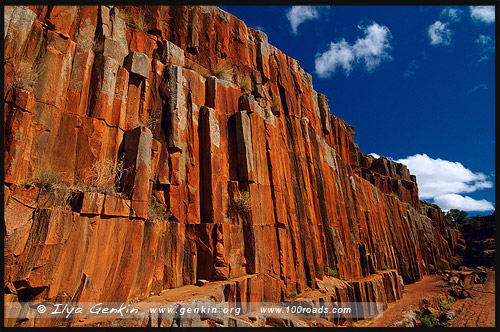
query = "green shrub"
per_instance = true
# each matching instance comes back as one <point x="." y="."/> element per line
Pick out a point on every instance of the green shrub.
<point x="428" y="320"/>
<point x="332" y="272"/>
<point x="384" y="267"/>
<point x="444" y="305"/>
<point x="243" y="202"/>
<point x="7" y="59"/>
<point x="294" y="294"/>
<point x="157" y="211"/>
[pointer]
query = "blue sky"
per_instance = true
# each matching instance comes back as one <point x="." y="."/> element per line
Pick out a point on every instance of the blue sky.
<point x="416" y="82"/>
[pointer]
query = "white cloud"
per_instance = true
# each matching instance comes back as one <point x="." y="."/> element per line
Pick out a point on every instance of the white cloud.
<point x="478" y="87"/>
<point x="370" y="50"/>
<point x="339" y="55"/>
<point x="437" y="177"/>
<point x="453" y="14"/>
<point x="485" y="14"/>
<point x="455" y="201"/>
<point x="487" y="47"/>
<point x="484" y="40"/>
<point x="442" y="181"/>
<point x="299" y="14"/>
<point x="439" y="33"/>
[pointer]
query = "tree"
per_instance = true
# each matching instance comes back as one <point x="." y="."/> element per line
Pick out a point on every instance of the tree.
<point x="457" y="216"/>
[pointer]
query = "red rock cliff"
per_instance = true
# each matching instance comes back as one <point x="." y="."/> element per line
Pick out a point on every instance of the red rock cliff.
<point x="84" y="86"/>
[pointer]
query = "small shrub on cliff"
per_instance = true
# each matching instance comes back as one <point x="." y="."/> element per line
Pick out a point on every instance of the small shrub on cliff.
<point x="243" y="202"/>
<point x="157" y="211"/>
<point x="125" y="14"/>
<point x="394" y="195"/>
<point x="141" y="21"/>
<point x="153" y="119"/>
<point x="353" y="238"/>
<point x="384" y="267"/>
<point x="332" y="272"/>
<point x="294" y="294"/>
<point x="104" y="177"/>
<point x="275" y="103"/>
<point x="46" y="179"/>
<point x="7" y="59"/>
<point x="223" y="71"/>
<point x="244" y="82"/>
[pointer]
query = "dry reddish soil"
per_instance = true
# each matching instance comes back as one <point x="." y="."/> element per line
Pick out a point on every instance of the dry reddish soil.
<point x="478" y="311"/>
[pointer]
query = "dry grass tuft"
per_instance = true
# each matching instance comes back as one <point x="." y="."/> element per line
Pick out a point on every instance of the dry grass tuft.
<point x="244" y="82"/>
<point x="154" y="118"/>
<point x="46" y="179"/>
<point x="125" y="14"/>
<point x="223" y="71"/>
<point x="104" y="177"/>
<point x="140" y="20"/>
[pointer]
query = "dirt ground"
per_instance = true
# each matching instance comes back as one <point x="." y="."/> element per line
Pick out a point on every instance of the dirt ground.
<point x="478" y="311"/>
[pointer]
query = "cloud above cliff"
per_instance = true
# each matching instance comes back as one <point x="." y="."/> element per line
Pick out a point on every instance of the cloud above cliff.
<point x="439" y="33"/>
<point x="297" y="15"/>
<point x="452" y="14"/>
<point x="486" y="43"/>
<point x="482" y="14"/>
<point x="465" y="203"/>
<point x="443" y="181"/>
<point x="368" y="51"/>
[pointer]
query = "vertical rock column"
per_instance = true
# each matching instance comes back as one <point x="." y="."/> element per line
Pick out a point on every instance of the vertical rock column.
<point x="244" y="144"/>
<point x="103" y="87"/>
<point x="324" y="111"/>
<point x="138" y="66"/>
<point x="209" y="146"/>
<point x="177" y="108"/>
<point x="137" y="144"/>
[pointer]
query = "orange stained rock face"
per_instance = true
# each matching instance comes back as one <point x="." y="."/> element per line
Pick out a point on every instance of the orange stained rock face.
<point x="193" y="142"/>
